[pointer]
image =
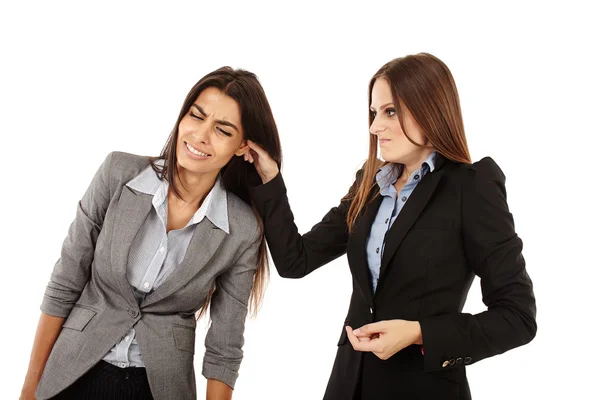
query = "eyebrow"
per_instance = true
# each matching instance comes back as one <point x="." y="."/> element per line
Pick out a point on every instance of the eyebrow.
<point x="218" y="121"/>
<point x="383" y="106"/>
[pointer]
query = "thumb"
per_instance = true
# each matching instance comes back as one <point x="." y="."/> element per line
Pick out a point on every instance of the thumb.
<point x="370" y="329"/>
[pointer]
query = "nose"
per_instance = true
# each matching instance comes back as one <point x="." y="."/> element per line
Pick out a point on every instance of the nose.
<point x="201" y="134"/>
<point x="376" y="128"/>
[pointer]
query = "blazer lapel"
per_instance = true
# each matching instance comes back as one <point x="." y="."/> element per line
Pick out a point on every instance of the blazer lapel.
<point x="357" y="249"/>
<point x="132" y="210"/>
<point x="206" y="239"/>
<point x="408" y="215"/>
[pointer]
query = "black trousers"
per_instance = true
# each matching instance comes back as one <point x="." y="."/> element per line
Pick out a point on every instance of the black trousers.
<point x="107" y="382"/>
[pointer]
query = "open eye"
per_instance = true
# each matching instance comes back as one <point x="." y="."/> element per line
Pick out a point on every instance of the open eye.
<point x="390" y="112"/>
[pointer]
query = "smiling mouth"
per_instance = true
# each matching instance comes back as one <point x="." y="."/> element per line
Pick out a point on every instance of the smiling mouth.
<point x="196" y="152"/>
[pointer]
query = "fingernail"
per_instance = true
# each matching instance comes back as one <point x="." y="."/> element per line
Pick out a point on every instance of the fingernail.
<point x="356" y="331"/>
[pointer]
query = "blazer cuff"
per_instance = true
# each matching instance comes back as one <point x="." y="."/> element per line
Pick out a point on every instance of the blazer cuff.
<point x="443" y="348"/>
<point x="272" y="189"/>
<point x="220" y="373"/>
<point x="51" y="305"/>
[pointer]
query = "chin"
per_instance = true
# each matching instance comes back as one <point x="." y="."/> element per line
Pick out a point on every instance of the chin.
<point x="392" y="158"/>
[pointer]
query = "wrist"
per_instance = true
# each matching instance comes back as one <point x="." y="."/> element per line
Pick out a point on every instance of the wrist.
<point x="418" y="335"/>
<point x="269" y="177"/>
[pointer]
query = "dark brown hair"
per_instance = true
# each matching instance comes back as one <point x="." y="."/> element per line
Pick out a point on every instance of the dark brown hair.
<point x="237" y="175"/>
<point x="423" y="85"/>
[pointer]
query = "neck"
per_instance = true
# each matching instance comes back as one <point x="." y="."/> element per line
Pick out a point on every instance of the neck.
<point x="194" y="187"/>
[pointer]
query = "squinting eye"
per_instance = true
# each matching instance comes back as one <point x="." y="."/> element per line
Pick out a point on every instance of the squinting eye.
<point x="224" y="132"/>
<point x="196" y="116"/>
<point x="390" y="112"/>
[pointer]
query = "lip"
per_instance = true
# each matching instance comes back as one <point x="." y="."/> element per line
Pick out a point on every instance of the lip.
<point x="383" y="141"/>
<point x="192" y="155"/>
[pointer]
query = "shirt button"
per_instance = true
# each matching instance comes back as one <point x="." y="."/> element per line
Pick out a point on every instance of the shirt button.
<point x="417" y="177"/>
<point x="126" y="338"/>
<point x="162" y="249"/>
<point x="404" y="198"/>
<point x="123" y="365"/>
<point x="387" y="220"/>
<point x="146" y="285"/>
<point x="370" y="309"/>
<point x="377" y="250"/>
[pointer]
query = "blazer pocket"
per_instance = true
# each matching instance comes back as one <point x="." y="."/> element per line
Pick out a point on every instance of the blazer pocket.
<point x="434" y="224"/>
<point x="185" y="337"/>
<point x="79" y="318"/>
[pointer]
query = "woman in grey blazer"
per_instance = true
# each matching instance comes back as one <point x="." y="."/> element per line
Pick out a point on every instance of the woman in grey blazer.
<point x="154" y="242"/>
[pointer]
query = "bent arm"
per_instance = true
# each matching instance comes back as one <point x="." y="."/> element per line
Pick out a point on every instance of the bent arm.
<point x="493" y="250"/>
<point x="296" y="255"/>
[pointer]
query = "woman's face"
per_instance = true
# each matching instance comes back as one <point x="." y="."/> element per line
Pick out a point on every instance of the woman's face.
<point x="393" y="144"/>
<point x="211" y="133"/>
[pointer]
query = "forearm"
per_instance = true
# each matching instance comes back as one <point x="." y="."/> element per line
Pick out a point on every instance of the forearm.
<point x="217" y="390"/>
<point x="46" y="334"/>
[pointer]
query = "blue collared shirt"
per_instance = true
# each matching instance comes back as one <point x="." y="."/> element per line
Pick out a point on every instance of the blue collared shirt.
<point x="390" y="207"/>
<point x="155" y="254"/>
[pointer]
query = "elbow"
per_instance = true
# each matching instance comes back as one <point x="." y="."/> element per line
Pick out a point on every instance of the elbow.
<point x="292" y="272"/>
<point x="530" y="329"/>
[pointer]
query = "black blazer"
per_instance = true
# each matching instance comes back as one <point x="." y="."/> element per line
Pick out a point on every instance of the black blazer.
<point x="455" y="224"/>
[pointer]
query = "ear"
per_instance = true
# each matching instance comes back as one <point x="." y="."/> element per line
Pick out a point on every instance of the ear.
<point x="243" y="148"/>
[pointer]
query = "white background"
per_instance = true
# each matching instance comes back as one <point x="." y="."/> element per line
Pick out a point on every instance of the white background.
<point x="81" y="79"/>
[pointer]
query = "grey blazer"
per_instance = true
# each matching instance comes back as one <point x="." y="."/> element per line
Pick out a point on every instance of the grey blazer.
<point x="88" y="286"/>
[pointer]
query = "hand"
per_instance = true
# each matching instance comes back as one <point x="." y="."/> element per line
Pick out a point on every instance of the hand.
<point x="265" y="166"/>
<point x="385" y="338"/>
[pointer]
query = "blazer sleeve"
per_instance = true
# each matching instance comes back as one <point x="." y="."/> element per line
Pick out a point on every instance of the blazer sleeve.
<point x="228" y="310"/>
<point x="493" y="251"/>
<point x="295" y="255"/>
<point x="72" y="271"/>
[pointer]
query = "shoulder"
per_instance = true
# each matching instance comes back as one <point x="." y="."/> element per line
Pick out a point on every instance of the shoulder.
<point x="242" y="220"/>
<point x="127" y="165"/>
<point x="120" y="167"/>
<point x="482" y="171"/>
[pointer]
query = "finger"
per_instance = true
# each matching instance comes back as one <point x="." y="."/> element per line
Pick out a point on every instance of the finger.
<point x="257" y="148"/>
<point x="357" y="344"/>
<point x="371" y="329"/>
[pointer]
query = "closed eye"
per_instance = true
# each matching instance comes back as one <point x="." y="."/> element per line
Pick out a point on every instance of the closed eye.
<point x="196" y="116"/>
<point x="224" y="132"/>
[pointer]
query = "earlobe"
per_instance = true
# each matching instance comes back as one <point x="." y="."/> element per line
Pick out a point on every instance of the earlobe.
<point x="243" y="149"/>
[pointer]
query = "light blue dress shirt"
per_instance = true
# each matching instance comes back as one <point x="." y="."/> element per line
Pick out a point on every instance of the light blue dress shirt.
<point x="390" y="207"/>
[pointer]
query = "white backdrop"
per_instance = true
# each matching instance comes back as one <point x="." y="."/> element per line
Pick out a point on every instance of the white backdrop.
<point x="81" y="79"/>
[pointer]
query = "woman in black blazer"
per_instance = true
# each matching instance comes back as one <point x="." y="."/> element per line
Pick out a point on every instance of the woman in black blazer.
<point x="416" y="227"/>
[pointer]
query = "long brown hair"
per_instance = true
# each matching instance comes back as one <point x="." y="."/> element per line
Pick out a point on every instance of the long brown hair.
<point x="423" y="85"/>
<point x="237" y="175"/>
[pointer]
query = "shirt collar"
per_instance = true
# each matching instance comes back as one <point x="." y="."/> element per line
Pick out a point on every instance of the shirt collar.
<point x="214" y="206"/>
<point x="389" y="173"/>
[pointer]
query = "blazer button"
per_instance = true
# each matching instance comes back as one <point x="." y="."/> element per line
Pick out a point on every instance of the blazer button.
<point x="133" y="313"/>
<point x="468" y="360"/>
<point x="370" y="309"/>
